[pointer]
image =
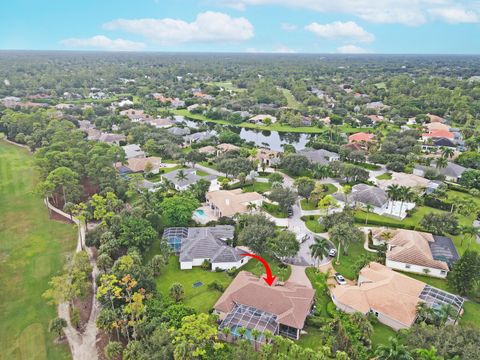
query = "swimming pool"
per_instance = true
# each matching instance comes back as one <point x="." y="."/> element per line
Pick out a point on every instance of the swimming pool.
<point x="200" y="213"/>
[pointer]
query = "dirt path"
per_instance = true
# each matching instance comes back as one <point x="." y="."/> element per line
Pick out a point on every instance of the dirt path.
<point x="82" y="345"/>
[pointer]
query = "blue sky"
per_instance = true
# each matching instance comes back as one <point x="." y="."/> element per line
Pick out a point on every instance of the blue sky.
<point x="312" y="26"/>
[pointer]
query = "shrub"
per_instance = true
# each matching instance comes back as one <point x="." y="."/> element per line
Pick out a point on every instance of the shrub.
<point x="74" y="317"/>
<point x="316" y="322"/>
<point x="206" y="265"/>
<point x="331" y="309"/>
<point x="215" y="285"/>
<point x="231" y="272"/>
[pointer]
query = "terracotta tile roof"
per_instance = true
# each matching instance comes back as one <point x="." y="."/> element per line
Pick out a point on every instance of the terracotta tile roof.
<point x="361" y="136"/>
<point x="413" y="247"/>
<point x="231" y="202"/>
<point x="383" y="290"/>
<point x="435" y="118"/>
<point x="207" y="149"/>
<point x="139" y="164"/>
<point x="439" y="134"/>
<point x="227" y="147"/>
<point x="437" y="126"/>
<point x="291" y="302"/>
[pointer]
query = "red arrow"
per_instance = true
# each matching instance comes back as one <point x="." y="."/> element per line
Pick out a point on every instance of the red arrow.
<point x="270" y="278"/>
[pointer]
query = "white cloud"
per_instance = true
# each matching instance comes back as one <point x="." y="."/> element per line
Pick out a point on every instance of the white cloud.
<point x="456" y="15"/>
<point x="102" y="42"/>
<point x="408" y="12"/>
<point x="207" y="27"/>
<point x="288" y="27"/>
<point x="351" y="49"/>
<point x="341" y="30"/>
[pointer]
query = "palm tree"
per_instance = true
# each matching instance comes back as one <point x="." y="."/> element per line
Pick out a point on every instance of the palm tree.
<point x="268" y="336"/>
<point x="251" y="207"/>
<point x="393" y="351"/>
<point x="368" y="208"/>
<point x="427" y="354"/>
<point x="320" y="248"/>
<point x="255" y="335"/>
<point x="405" y="195"/>
<point x="181" y="175"/>
<point x="226" y="331"/>
<point x="471" y="231"/>
<point x="241" y="332"/>
<point x="441" y="163"/>
<point x="321" y="172"/>
<point x="393" y="192"/>
<point x="423" y="311"/>
<point x="447" y="153"/>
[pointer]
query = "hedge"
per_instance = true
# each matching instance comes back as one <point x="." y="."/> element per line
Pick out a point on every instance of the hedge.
<point x="386" y="223"/>
<point x="436" y="203"/>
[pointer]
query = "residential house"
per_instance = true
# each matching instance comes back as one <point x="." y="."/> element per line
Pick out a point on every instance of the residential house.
<point x="228" y="203"/>
<point x="195" y="245"/>
<point x="125" y="103"/>
<point x="198" y="136"/>
<point x="412" y="181"/>
<point x="207" y="150"/>
<point x="320" y="156"/>
<point x="136" y="165"/>
<point x="267" y="157"/>
<point x="262" y="119"/>
<point x="133" y="151"/>
<point x="452" y="172"/>
<point x="436" y="126"/>
<point x="250" y="303"/>
<point x="189" y="177"/>
<point x="435" y="118"/>
<point x="363" y="195"/>
<point x="417" y="252"/>
<point x="390" y="296"/>
<point x="136" y="115"/>
<point x="161" y="123"/>
<point x="223" y="148"/>
<point x="377" y="106"/>
<point x="178" y="131"/>
<point x="361" y="137"/>
<point x="437" y="134"/>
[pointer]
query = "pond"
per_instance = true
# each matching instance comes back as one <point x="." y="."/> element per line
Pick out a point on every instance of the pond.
<point x="270" y="139"/>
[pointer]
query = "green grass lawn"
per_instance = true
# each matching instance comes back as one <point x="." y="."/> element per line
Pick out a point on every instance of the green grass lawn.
<point x="381" y="334"/>
<point x="278" y="269"/>
<point x="291" y="101"/>
<point x="385" y="176"/>
<point x="202" y="173"/>
<point x="274" y="210"/>
<point x="202" y="299"/>
<point x="347" y="263"/>
<point x="259" y="187"/>
<point x="311" y="205"/>
<point x="312" y="224"/>
<point x="32" y="250"/>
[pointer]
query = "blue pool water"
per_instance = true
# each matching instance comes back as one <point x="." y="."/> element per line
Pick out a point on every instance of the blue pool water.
<point x="200" y="213"/>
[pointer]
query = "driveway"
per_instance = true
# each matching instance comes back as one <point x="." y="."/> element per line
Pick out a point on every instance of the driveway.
<point x="298" y="276"/>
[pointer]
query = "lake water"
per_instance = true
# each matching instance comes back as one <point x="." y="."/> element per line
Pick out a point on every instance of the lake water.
<point x="271" y="139"/>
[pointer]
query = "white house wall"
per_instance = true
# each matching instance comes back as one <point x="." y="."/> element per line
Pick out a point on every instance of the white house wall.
<point x="417" y="269"/>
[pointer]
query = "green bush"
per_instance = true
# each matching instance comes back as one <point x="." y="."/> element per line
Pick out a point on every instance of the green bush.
<point x="215" y="285"/>
<point x="74" y="317"/>
<point x="232" y="272"/>
<point x="316" y="322"/>
<point x="331" y="309"/>
<point x="206" y="265"/>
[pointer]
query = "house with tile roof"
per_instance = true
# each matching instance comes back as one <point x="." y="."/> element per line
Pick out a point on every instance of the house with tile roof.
<point x="250" y="303"/>
<point x="418" y="252"/>
<point x="137" y="165"/>
<point x="391" y="296"/>
<point x="320" y="156"/>
<point x="232" y="202"/>
<point x="189" y="177"/>
<point x="133" y="151"/>
<point x="198" y="244"/>
<point x="361" y="137"/>
<point x="438" y="134"/>
<point x="452" y="172"/>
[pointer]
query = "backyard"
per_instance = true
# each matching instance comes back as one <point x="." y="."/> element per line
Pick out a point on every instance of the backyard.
<point x="32" y="250"/>
<point x="307" y="204"/>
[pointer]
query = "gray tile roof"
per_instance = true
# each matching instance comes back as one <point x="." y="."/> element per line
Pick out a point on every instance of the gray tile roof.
<point x="320" y="156"/>
<point x="209" y="243"/>
<point x="452" y="170"/>
<point x="191" y="177"/>
<point x="366" y="194"/>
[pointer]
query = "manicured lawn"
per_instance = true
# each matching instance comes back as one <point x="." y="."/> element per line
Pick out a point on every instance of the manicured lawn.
<point x="274" y="210"/>
<point x="412" y="221"/>
<point x="385" y="176"/>
<point x="347" y="263"/>
<point x="201" y="298"/>
<point x="255" y="267"/>
<point x="312" y="224"/>
<point x="202" y="173"/>
<point x="366" y="166"/>
<point x="32" y="250"/>
<point x="312" y="339"/>
<point x="291" y="101"/>
<point x="260" y="187"/>
<point x="381" y="334"/>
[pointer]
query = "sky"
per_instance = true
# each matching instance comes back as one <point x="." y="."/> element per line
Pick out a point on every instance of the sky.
<point x="283" y="26"/>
